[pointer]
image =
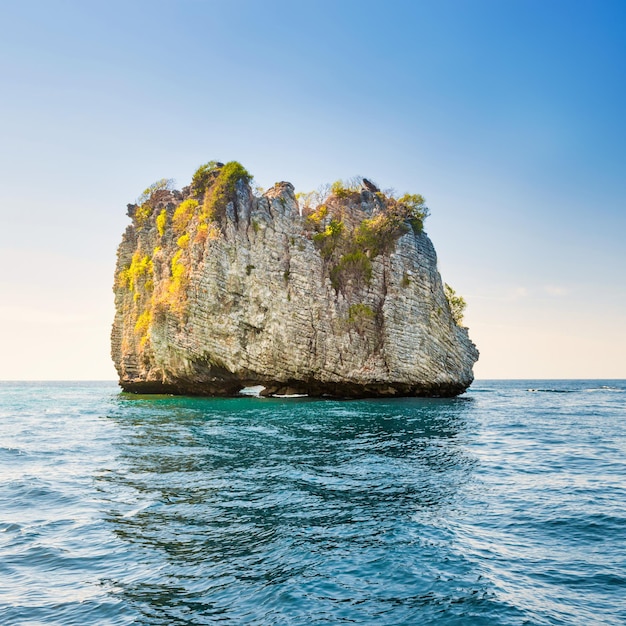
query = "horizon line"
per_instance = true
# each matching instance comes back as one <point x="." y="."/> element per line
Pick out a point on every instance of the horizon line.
<point x="112" y="380"/>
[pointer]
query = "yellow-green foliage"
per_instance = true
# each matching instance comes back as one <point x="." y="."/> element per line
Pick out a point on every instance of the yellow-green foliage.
<point x="411" y="207"/>
<point x="183" y="241"/>
<point x="334" y="229"/>
<point x="183" y="214"/>
<point x="327" y="241"/>
<point x="354" y="267"/>
<point x="178" y="283"/>
<point x="378" y="234"/>
<point x="351" y="252"/>
<point x="359" y="315"/>
<point x="360" y="311"/>
<point x="318" y="215"/>
<point x="161" y="221"/>
<point x="222" y="190"/>
<point x="137" y="272"/>
<point x="202" y="177"/>
<point x="346" y="189"/>
<point x="142" y="214"/>
<point x="142" y="326"/>
<point x="457" y="304"/>
<point x="339" y="190"/>
<point x="177" y="266"/>
<point x="206" y="231"/>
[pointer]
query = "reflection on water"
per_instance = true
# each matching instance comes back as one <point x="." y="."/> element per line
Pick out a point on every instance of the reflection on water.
<point x="268" y="509"/>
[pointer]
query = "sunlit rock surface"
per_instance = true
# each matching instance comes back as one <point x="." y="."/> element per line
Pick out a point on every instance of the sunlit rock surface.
<point x="212" y="303"/>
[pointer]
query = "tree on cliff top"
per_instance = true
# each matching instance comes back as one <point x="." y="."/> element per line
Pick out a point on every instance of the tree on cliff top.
<point x="202" y="176"/>
<point x="222" y="190"/>
<point x="159" y="185"/>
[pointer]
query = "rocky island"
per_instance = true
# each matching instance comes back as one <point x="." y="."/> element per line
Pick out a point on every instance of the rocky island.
<point x="336" y="293"/>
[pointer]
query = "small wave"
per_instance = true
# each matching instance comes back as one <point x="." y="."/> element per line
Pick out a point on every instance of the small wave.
<point x="292" y="395"/>
<point x="9" y="527"/>
<point x="600" y="389"/>
<point x="498" y="508"/>
<point x="12" y="452"/>
<point x="254" y="392"/>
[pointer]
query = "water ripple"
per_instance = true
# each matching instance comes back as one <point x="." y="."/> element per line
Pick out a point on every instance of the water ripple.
<point x="500" y="507"/>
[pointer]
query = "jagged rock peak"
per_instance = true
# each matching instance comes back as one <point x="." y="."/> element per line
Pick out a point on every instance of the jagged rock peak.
<point x="336" y="294"/>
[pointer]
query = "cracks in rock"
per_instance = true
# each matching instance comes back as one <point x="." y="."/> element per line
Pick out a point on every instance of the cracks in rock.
<point x="286" y="264"/>
<point x="318" y="343"/>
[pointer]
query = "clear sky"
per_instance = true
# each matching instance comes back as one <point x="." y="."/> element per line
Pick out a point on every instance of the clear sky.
<point x="509" y="116"/>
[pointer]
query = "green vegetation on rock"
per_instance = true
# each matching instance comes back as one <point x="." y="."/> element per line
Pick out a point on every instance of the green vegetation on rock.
<point x="142" y="214"/>
<point x="457" y="304"/>
<point x="350" y="249"/>
<point x="412" y="208"/>
<point x="193" y="312"/>
<point x="350" y="189"/>
<point x="359" y="314"/>
<point x="359" y="311"/>
<point x="142" y="327"/>
<point x="202" y="177"/>
<point x="136" y="274"/>
<point x="184" y="213"/>
<point x="328" y="240"/>
<point x="161" y="221"/>
<point x="222" y="190"/>
<point x="354" y="267"/>
<point x="177" y="287"/>
<point x="318" y="215"/>
<point x="149" y="193"/>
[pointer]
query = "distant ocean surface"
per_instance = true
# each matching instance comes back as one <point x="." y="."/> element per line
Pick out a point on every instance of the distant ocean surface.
<point x="506" y="505"/>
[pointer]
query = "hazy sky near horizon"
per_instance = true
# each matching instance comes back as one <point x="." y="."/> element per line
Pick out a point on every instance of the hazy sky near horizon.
<point x="508" y="116"/>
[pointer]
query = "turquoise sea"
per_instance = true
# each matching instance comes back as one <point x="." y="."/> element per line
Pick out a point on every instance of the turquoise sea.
<point x="506" y="505"/>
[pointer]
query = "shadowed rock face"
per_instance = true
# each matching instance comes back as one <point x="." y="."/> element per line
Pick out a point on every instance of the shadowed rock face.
<point x="257" y="294"/>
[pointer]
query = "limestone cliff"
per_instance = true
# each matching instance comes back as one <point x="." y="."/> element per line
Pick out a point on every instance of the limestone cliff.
<point x="217" y="289"/>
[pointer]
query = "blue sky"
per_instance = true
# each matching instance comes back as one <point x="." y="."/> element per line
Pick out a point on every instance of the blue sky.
<point x="508" y="116"/>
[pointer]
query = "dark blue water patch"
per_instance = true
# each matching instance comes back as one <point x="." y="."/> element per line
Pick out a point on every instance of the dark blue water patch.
<point x="498" y="507"/>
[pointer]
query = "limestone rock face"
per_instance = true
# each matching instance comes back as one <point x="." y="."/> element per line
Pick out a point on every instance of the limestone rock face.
<point x="218" y="290"/>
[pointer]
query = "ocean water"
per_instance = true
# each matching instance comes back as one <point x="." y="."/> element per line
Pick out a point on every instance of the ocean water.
<point x="506" y="505"/>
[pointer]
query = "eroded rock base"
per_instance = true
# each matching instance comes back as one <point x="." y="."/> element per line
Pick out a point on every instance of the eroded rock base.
<point x="312" y="389"/>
